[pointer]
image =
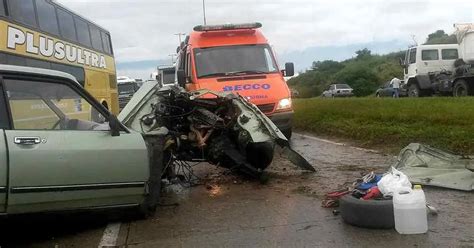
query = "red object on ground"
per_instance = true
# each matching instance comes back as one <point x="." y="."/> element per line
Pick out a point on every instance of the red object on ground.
<point x="372" y="193"/>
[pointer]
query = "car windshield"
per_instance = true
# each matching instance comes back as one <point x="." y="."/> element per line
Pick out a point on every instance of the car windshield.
<point x="342" y="86"/>
<point x="234" y="60"/>
<point x="126" y="88"/>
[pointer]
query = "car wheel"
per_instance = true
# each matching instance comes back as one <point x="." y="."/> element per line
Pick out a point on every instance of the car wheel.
<point x="377" y="95"/>
<point x="367" y="213"/>
<point x="413" y="90"/>
<point x="460" y="88"/>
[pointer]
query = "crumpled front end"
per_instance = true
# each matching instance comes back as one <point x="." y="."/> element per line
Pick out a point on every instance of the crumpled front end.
<point x="223" y="129"/>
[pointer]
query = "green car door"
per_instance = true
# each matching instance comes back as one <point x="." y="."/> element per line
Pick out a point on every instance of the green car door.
<point x="61" y="152"/>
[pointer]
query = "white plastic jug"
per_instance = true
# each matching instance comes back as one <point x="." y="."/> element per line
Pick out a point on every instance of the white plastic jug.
<point x="409" y="208"/>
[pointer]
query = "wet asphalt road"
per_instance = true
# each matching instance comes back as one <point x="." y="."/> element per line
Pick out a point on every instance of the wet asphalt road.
<point x="229" y="211"/>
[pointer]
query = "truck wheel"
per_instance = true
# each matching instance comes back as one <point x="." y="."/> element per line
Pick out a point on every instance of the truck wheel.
<point x="460" y="88"/>
<point x="414" y="90"/>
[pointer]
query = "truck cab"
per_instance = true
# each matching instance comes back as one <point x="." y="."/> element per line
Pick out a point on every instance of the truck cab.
<point x="237" y="58"/>
<point x="126" y="88"/>
<point x="424" y="63"/>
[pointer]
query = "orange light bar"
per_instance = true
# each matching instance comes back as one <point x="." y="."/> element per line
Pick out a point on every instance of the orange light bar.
<point x="205" y="28"/>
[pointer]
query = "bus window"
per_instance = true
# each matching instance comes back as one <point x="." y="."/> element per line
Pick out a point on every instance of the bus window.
<point x="47" y="17"/>
<point x="3" y="58"/>
<point x="2" y="8"/>
<point x="83" y="35"/>
<point x="77" y="72"/>
<point x="66" y="25"/>
<point x="16" y="60"/>
<point x="23" y="11"/>
<point x="96" y="39"/>
<point x="106" y="42"/>
<point x="38" y="63"/>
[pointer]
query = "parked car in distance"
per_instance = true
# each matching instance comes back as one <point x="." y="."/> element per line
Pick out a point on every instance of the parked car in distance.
<point x="338" y="90"/>
<point x="387" y="90"/>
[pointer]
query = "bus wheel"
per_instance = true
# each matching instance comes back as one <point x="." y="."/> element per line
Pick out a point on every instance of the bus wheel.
<point x="460" y="88"/>
<point x="413" y="90"/>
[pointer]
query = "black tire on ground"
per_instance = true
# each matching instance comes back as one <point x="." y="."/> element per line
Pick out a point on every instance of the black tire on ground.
<point x="260" y="155"/>
<point x="414" y="90"/>
<point x="461" y="88"/>
<point x="155" y="153"/>
<point x="369" y="214"/>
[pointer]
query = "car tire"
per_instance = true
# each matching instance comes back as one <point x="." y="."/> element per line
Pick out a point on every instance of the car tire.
<point x="151" y="201"/>
<point x="461" y="88"/>
<point x="377" y="95"/>
<point x="367" y="213"/>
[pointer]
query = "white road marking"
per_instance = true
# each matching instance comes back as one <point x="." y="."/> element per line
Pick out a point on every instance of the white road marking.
<point x="337" y="143"/>
<point x="110" y="236"/>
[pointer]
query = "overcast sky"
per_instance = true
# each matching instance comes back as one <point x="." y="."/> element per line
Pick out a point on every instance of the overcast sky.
<point x="144" y="30"/>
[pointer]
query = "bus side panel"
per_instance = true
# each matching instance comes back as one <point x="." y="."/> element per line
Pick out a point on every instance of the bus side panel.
<point x="113" y="93"/>
<point x="97" y="83"/>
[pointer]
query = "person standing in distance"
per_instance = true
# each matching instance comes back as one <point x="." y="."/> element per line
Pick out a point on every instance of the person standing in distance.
<point x="396" y="87"/>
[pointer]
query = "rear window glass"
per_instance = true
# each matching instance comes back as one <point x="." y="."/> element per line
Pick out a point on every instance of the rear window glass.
<point x="448" y="54"/>
<point x="23" y="11"/>
<point x="429" y="55"/>
<point x="342" y="86"/>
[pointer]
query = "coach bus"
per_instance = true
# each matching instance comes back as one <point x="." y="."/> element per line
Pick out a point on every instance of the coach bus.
<point x="45" y="34"/>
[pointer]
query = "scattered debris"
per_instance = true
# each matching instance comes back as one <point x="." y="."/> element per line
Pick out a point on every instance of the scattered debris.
<point x="430" y="166"/>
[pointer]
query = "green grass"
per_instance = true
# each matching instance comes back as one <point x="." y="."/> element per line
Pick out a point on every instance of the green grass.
<point x="390" y="124"/>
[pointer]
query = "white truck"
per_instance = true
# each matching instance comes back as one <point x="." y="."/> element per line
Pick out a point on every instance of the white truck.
<point x="444" y="69"/>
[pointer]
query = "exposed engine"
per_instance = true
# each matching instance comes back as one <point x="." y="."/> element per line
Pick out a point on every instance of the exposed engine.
<point x="208" y="129"/>
<point x="225" y="130"/>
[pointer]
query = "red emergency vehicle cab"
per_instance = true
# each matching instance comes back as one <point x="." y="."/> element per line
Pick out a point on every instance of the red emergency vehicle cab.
<point x="237" y="58"/>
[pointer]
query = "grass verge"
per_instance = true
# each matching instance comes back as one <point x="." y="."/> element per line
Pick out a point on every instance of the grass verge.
<point x="390" y="124"/>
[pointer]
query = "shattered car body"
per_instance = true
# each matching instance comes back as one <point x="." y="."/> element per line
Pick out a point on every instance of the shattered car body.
<point x="223" y="129"/>
<point x="430" y="166"/>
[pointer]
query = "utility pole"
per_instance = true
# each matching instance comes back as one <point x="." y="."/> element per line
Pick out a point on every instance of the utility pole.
<point x="204" y="10"/>
<point x="179" y="36"/>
